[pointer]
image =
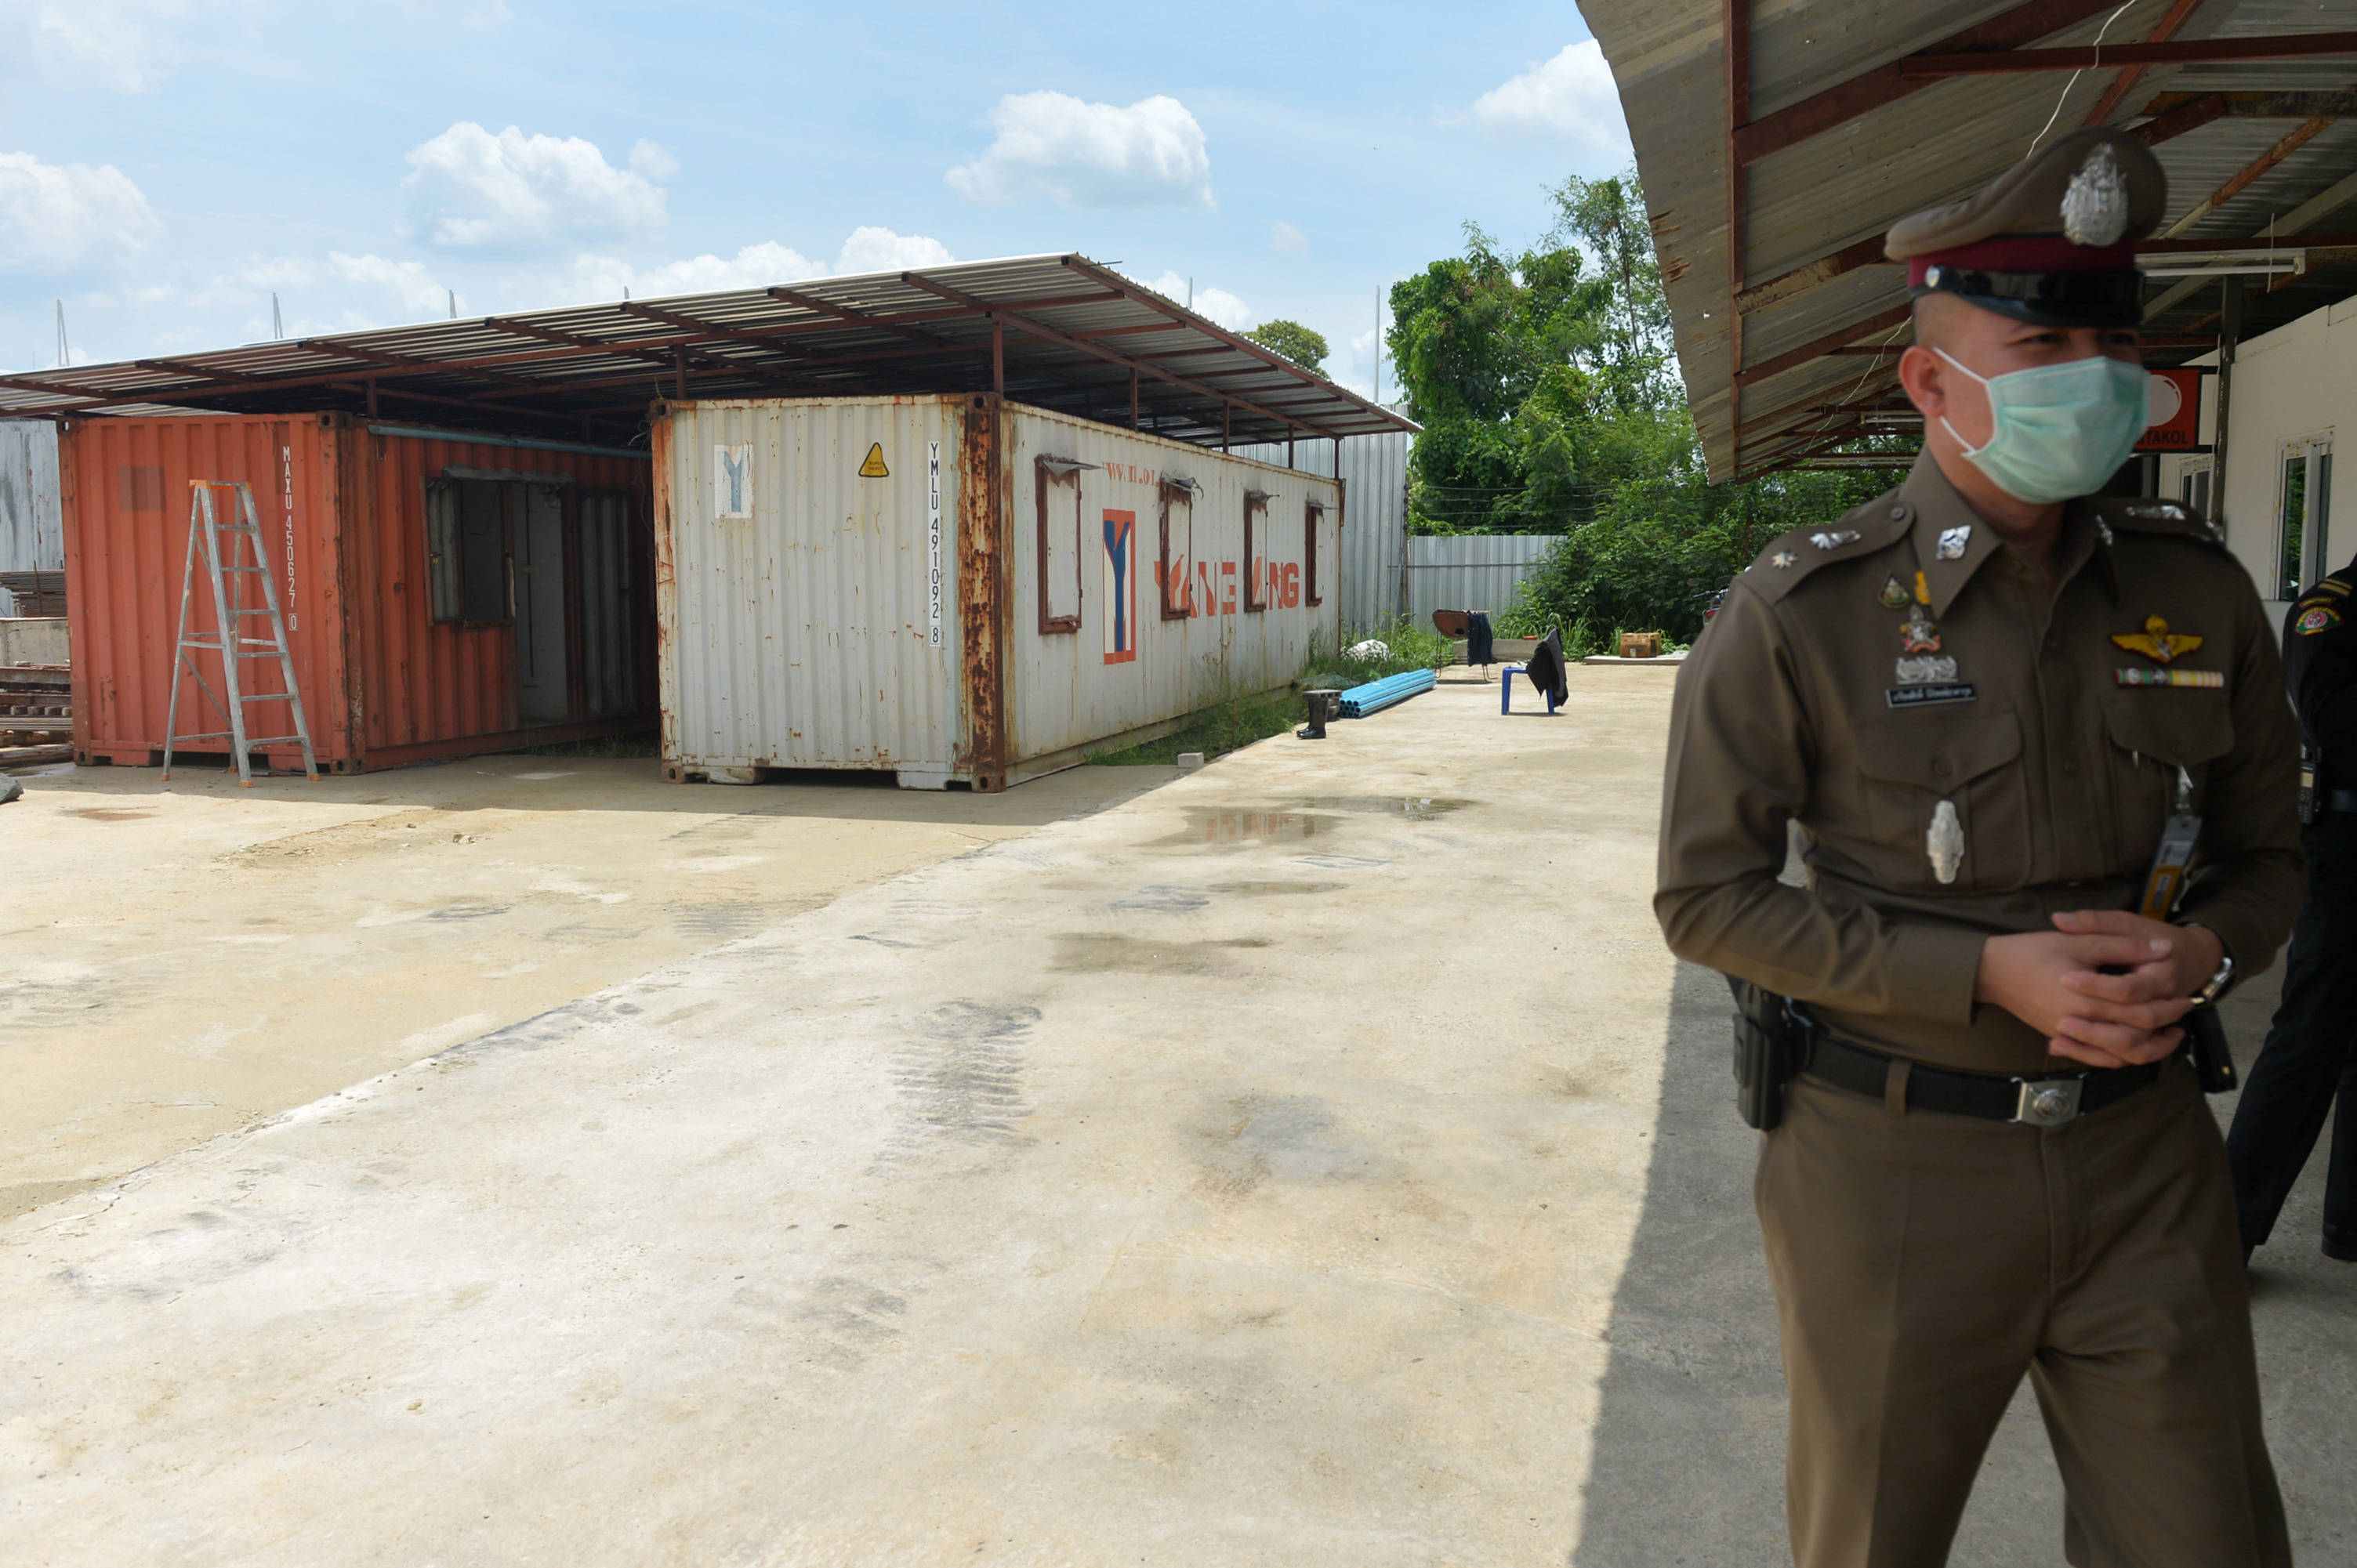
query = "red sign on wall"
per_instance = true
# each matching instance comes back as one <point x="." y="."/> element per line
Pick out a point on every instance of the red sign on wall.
<point x="2176" y="411"/>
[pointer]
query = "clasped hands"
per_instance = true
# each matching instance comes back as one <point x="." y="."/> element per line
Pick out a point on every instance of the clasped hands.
<point x="2054" y="982"/>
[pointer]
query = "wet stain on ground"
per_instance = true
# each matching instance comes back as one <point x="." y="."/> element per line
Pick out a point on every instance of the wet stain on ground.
<point x="1409" y="808"/>
<point x="1102" y="952"/>
<point x="1257" y="1138"/>
<point x="108" y="814"/>
<point x="1241" y="825"/>
<point x="1272" y="888"/>
<point x="1169" y="899"/>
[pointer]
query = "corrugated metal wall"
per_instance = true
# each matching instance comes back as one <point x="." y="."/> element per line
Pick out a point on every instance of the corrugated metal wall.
<point x="32" y="527"/>
<point x="1471" y="571"/>
<point x="1072" y="688"/>
<point x="125" y="483"/>
<point x="343" y="513"/>
<point x="795" y="595"/>
<point x="1375" y="534"/>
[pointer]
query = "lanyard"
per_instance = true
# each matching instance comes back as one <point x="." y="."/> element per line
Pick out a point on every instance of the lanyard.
<point x="2170" y="861"/>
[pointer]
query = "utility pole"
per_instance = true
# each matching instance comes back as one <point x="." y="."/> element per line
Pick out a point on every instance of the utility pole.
<point x="1379" y="343"/>
<point x="277" y="326"/>
<point x="64" y="354"/>
<point x="454" y="303"/>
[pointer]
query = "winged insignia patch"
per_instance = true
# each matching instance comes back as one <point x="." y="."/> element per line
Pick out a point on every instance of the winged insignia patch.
<point x="2156" y="641"/>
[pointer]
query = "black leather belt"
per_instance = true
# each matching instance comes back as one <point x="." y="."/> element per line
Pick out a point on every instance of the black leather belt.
<point x="2031" y="1101"/>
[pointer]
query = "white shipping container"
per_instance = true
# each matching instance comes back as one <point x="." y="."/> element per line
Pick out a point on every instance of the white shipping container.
<point x="962" y="590"/>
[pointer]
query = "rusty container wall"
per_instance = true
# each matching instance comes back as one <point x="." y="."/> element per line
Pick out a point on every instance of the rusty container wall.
<point x="1107" y="653"/>
<point x="808" y="610"/>
<point x="126" y="488"/>
<point x="420" y="687"/>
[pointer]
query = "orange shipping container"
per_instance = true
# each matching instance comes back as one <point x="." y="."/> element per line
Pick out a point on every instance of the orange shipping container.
<point x="445" y="593"/>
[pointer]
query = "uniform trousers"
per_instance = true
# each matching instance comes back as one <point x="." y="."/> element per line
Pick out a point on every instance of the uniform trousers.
<point x="1922" y="1263"/>
<point x="2310" y="1055"/>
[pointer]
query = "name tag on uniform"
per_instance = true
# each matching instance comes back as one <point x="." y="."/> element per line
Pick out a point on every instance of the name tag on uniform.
<point x="1925" y="696"/>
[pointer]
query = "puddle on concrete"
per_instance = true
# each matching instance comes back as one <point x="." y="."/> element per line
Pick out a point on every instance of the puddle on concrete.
<point x="108" y="814"/>
<point x="1248" y="826"/>
<point x="1413" y="808"/>
<point x="1272" y="888"/>
<point x="1098" y="953"/>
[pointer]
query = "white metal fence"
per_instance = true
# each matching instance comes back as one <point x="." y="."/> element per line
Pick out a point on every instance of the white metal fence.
<point x="1471" y="571"/>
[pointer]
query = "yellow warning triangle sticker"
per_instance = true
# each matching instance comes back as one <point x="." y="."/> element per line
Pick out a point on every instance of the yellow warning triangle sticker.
<point x="874" y="467"/>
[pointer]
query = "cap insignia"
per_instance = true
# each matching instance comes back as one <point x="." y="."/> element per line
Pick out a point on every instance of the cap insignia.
<point x="2156" y="641"/>
<point x="1894" y="593"/>
<point x="2095" y="206"/>
<point x="1953" y="541"/>
<point x="1833" y="538"/>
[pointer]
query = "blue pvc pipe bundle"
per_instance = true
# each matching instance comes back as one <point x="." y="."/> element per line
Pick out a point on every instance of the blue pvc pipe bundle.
<point x="1377" y="695"/>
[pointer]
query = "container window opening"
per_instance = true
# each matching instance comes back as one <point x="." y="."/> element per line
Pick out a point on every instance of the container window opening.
<point x="486" y="591"/>
<point x="1058" y="482"/>
<point x="1311" y="589"/>
<point x="445" y="595"/>
<point x="1255" y="538"/>
<point x="1175" y="570"/>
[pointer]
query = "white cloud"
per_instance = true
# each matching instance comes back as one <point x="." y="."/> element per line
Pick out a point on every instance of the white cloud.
<point x="470" y="187"/>
<point x="57" y="217"/>
<point x="1571" y="96"/>
<point x="600" y="278"/>
<point x="872" y="250"/>
<point x="1217" y="304"/>
<point x="1287" y="240"/>
<point x="1089" y="154"/>
<point x="408" y="281"/>
<point x="114" y="44"/>
<point x="653" y="160"/>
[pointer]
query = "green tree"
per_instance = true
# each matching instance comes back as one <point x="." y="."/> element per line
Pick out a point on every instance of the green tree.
<point x="1297" y="343"/>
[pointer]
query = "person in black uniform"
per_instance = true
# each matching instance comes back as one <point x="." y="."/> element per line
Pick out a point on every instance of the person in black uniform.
<point x="2310" y="1055"/>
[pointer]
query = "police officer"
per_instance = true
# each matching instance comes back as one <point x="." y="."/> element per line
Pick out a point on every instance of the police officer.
<point x="1992" y="700"/>
<point x="2311" y="1050"/>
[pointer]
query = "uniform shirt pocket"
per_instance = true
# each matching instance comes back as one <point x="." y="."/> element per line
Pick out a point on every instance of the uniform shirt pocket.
<point x="1909" y="763"/>
<point x="2154" y="730"/>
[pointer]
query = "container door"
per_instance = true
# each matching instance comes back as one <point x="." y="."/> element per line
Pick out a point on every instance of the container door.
<point x="542" y="695"/>
<point x="609" y="662"/>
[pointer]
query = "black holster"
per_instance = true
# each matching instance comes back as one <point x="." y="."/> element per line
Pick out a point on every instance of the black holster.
<point x="1771" y="1046"/>
<point x="2205" y="1042"/>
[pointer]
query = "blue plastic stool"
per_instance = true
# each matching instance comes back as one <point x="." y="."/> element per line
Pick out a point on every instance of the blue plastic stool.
<point x="1506" y="688"/>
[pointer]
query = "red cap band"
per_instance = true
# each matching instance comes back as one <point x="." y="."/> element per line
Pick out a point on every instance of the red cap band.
<point x="2027" y="254"/>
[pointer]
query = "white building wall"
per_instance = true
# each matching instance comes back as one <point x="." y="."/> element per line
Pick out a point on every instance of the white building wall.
<point x="2293" y="387"/>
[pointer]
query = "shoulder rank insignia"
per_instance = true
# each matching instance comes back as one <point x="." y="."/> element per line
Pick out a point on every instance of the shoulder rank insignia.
<point x="1894" y="593"/>
<point x="1834" y="537"/>
<point x="1953" y="542"/>
<point x="2156" y="641"/>
<point x="2317" y="618"/>
<point x="1782" y="559"/>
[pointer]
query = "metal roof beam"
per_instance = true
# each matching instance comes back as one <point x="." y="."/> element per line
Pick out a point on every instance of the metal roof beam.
<point x="2300" y="137"/>
<point x="1879" y="321"/>
<point x="1146" y="297"/>
<point x="1054" y="335"/>
<point x="1886" y="84"/>
<point x="1931" y="66"/>
<point x="406" y="364"/>
<point x="2118" y="92"/>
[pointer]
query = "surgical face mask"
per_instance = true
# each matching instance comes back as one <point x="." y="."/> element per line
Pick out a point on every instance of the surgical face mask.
<point x="2058" y="432"/>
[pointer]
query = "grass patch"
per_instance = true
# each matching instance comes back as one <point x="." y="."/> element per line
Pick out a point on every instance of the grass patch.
<point x="1407" y="647"/>
<point x="643" y="743"/>
<point x="1214" y="732"/>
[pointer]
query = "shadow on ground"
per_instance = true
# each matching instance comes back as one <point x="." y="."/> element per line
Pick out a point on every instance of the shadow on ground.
<point x="1689" y="1448"/>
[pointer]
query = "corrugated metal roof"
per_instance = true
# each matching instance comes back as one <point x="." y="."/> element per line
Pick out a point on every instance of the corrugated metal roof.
<point x="1071" y="336"/>
<point x="1849" y="183"/>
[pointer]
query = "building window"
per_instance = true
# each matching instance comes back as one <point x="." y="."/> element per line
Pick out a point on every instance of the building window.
<point x="1255" y="538"/>
<point x="2303" y="516"/>
<point x="468" y="573"/>
<point x="1312" y="587"/>
<point x="1177" y="563"/>
<point x="1058" y="482"/>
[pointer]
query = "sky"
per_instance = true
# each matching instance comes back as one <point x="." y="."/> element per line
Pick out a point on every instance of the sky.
<point x="167" y="166"/>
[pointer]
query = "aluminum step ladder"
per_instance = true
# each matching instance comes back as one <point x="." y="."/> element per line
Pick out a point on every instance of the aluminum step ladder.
<point x="230" y="615"/>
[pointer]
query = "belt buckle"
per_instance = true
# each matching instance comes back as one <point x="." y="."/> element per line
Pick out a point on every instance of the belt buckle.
<point x="2048" y="1101"/>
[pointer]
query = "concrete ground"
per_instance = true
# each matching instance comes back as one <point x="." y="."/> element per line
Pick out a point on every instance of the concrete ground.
<point x="183" y="959"/>
<point x="1317" y="1158"/>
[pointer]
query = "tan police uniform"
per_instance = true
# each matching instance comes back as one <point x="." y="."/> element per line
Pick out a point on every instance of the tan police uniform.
<point x="1969" y="750"/>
